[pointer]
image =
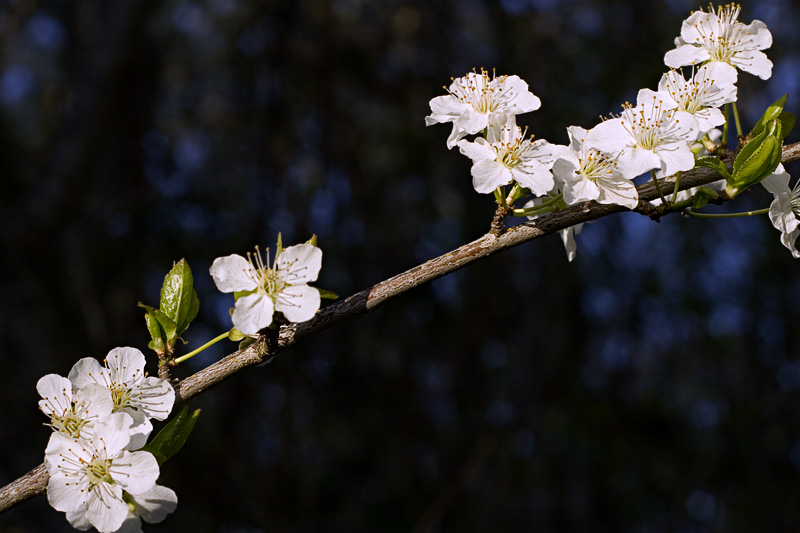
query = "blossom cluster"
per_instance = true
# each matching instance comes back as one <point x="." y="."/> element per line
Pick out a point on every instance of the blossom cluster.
<point x="100" y="416"/>
<point x="663" y="133"/>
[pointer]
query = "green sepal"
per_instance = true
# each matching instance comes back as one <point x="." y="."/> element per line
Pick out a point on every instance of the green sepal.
<point x="328" y="295"/>
<point x="313" y="240"/>
<point x="246" y="342"/>
<point x="235" y="335"/>
<point x="173" y="436"/>
<point x="241" y="294"/>
<point x="279" y="246"/>
<point x="773" y="111"/>
<point x="178" y="297"/>
<point x="702" y="196"/>
<point x="714" y="164"/>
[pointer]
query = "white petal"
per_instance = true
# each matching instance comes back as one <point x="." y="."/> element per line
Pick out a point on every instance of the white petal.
<point x="523" y="100"/>
<point x="154" y="396"/>
<point x="56" y="392"/>
<point x="233" y="273"/>
<point x="445" y="109"/>
<point x="298" y="303"/>
<point x="478" y="150"/>
<point x="610" y="136"/>
<point x="93" y="402"/>
<point x="300" y="262"/>
<point x="781" y="215"/>
<point x="64" y="495"/>
<point x="78" y="520"/>
<point x="252" y="313"/>
<point x="88" y="370"/>
<point x="488" y="175"/>
<point x="579" y="189"/>
<point x="107" y="513"/>
<point x="140" y="430"/>
<point x="112" y="434"/>
<point x="754" y="62"/>
<point x="568" y="238"/>
<point x="687" y="54"/>
<point x="126" y="365"/>
<point x="789" y="240"/>
<point x="635" y="161"/>
<point x="676" y="157"/>
<point x="778" y="181"/>
<point x="155" y="504"/>
<point x="136" y="472"/>
<point x="535" y="176"/>
<point x="617" y="190"/>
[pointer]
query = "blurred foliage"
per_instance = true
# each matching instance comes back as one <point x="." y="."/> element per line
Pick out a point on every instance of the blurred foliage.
<point x="651" y="385"/>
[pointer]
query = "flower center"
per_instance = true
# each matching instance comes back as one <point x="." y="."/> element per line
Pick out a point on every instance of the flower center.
<point x="69" y="424"/>
<point x="723" y="40"/>
<point x="596" y="165"/>
<point x="99" y="471"/>
<point x="271" y="282"/>
<point x="650" y="125"/>
<point x="479" y="91"/>
<point x="120" y="395"/>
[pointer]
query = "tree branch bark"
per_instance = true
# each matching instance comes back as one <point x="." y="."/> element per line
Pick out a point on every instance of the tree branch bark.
<point x="35" y="482"/>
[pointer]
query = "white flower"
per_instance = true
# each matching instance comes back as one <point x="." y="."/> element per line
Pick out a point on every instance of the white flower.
<point x="131" y="391"/>
<point x="586" y="174"/>
<point x="505" y="156"/>
<point x="567" y="234"/>
<point x="701" y="95"/>
<point x="72" y="414"/>
<point x="652" y="135"/>
<point x="88" y="476"/>
<point x="281" y="288"/>
<point x="719" y="37"/>
<point x="785" y="208"/>
<point x="476" y="100"/>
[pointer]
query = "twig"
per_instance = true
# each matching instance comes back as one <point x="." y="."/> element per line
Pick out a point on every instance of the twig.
<point x="35" y="481"/>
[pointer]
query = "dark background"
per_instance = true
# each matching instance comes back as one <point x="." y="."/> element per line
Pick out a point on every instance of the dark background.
<point x="651" y="385"/>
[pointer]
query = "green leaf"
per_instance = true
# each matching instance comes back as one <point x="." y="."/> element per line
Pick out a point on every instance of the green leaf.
<point x="178" y="297"/>
<point x="329" y="295"/>
<point x="714" y="164"/>
<point x="173" y="436"/>
<point x="168" y="326"/>
<point x="772" y="112"/>
<point x="748" y="150"/>
<point x="156" y="332"/>
<point x="787" y="121"/>
<point x="759" y="164"/>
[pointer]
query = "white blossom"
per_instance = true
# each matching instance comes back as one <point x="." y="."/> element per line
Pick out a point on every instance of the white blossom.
<point x="282" y="287"/>
<point x="586" y="174"/>
<point x="505" y="156"/>
<point x="784" y="211"/>
<point x="72" y="414"/>
<point x="652" y="135"/>
<point x="142" y="397"/>
<point x="717" y="36"/>
<point x="476" y="100"/>
<point x="708" y="88"/>
<point x="88" y="476"/>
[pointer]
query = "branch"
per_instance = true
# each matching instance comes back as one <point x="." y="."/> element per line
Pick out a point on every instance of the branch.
<point x="35" y="481"/>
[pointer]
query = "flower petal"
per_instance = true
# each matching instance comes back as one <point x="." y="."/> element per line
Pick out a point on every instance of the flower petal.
<point x="687" y="54"/>
<point x="252" y="313"/>
<point x="106" y="513"/>
<point x="488" y="175"/>
<point x="126" y="365"/>
<point x="298" y="303"/>
<point x="155" y="504"/>
<point x="300" y="263"/>
<point x="136" y="472"/>
<point x="56" y="393"/>
<point x="233" y="273"/>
